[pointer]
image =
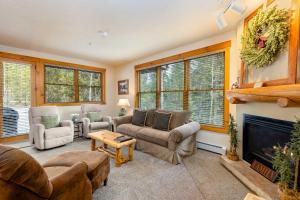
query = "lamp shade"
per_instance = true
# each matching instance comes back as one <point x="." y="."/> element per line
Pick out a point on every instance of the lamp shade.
<point x="123" y="103"/>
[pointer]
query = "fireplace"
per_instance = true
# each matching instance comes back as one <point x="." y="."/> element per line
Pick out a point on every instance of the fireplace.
<point x="260" y="135"/>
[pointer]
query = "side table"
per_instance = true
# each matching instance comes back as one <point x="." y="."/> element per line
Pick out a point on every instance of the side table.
<point x="78" y="129"/>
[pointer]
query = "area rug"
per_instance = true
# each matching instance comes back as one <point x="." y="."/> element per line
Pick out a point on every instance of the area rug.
<point x="144" y="178"/>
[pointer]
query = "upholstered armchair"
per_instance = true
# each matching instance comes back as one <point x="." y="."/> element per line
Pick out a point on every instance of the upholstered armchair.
<point x="88" y="126"/>
<point x="22" y="177"/>
<point x="44" y="138"/>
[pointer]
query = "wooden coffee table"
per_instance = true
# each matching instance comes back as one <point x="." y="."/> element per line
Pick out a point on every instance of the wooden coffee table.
<point x="107" y="138"/>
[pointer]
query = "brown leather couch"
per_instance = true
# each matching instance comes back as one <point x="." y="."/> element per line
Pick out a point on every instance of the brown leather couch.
<point x="22" y="177"/>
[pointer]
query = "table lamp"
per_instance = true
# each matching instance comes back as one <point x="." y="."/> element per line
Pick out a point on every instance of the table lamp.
<point x="123" y="103"/>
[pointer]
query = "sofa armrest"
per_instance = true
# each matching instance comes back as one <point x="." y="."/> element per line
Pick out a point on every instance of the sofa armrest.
<point x="107" y="119"/>
<point x="70" y="179"/>
<point x="86" y="126"/>
<point x="38" y="135"/>
<point x="180" y="133"/>
<point x="122" y="120"/>
<point x="67" y="123"/>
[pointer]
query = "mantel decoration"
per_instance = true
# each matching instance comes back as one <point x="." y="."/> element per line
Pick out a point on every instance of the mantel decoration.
<point x="265" y="36"/>
<point x="286" y="163"/>
<point x="232" y="131"/>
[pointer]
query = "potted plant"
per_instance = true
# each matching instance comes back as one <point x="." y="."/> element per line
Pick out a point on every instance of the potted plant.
<point x="232" y="131"/>
<point x="286" y="164"/>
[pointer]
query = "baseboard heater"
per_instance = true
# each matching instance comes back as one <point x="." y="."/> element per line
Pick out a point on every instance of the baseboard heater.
<point x="212" y="148"/>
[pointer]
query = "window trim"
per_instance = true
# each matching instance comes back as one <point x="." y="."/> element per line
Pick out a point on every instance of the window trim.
<point x="185" y="57"/>
<point x="38" y="76"/>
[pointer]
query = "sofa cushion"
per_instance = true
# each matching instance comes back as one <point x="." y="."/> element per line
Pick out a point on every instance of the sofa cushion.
<point x="128" y="129"/>
<point x="55" y="170"/>
<point x="150" y="117"/>
<point x="162" y="121"/>
<point x="57" y="132"/>
<point x="178" y="118"/>
<point x="98" y="125"/>
<point x="154" y="136"/>
<point x="50" y="121"/>
<point x="139" y="117"/>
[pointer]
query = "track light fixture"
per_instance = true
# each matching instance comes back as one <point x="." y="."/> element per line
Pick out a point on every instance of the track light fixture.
<point x="236" y="6"/>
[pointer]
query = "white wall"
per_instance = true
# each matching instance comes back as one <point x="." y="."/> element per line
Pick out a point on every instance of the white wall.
<point x="66" y="111"/>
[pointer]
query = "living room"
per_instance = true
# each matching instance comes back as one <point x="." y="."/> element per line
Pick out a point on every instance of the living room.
<point x="150" y="100"/>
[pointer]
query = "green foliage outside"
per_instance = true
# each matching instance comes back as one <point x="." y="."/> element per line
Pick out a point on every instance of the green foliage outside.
<point x="59" y="85"/>
<point x="17" y="84"/>
<point x="206" y="96"/>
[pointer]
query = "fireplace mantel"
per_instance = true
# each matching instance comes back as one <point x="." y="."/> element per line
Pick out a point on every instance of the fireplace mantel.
<point x="283" y="95"/>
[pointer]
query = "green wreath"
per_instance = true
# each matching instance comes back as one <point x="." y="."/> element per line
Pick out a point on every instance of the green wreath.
<point x="265" y="37"/>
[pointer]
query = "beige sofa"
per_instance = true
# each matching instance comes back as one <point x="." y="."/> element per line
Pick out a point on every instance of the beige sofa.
<point x="171" y="145"/>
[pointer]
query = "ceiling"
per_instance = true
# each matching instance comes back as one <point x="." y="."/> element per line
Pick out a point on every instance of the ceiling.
<point x="136" y="28"/>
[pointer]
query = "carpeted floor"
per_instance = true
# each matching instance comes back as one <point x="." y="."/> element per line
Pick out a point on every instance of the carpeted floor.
<point x="146" y="177"/>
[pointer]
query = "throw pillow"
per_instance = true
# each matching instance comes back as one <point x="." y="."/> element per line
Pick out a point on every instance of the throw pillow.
<point x="150" y="117"/>
<point x="162" y="121"/>
<point x="179" y="118"/>
<point x="94" y="116"/>
<point x="50" y="121"/>
<point x="139" y="117"/>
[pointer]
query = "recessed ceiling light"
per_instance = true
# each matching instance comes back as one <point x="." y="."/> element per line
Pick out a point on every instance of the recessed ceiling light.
<point x="103" y="33"/>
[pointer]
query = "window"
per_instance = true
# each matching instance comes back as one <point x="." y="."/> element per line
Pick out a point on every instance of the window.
<point x="206" y="89"/>
<point x="147" y="88"/>
<point x="68" y="85"/>
<point x="16" y="98"/>
<point x="59" y="85"/>
<point x="89" y="86"/>
<point x="197" y="83"/>
<point x="172" y="85"/>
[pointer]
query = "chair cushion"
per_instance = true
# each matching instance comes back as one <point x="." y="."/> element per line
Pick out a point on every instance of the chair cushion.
<point x="139" y="117"/>
<point x="20" y="168"/>
<point x="154" y="136"/>
<point x="50" y="121"/>
<point x="57" y="132"/>
<point x="94" y="116"/>
<point x="128" y="129"/>
<point x="55" y="170"/>
<point x="98" y="125"/>
<point x="162" y="121"/>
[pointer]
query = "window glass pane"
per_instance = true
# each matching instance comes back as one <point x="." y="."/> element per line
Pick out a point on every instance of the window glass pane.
<point x="59" y="93"/>
<point x="89" y="93"/>
<point x="207" y="107"/>
<point x="171" y="101"/>
<point x="147" y="80"/>
<point x="57" y="75"/>
<point x="89" y="78"/>
<point x="172" y="76"/>
<point x="147" y="100"/>
<point x="207" y="72"/>
<point x="59" y="85"/>
<point x="89" y="86"/>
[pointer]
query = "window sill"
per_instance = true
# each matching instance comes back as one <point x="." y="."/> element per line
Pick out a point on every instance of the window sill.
<point x="222" y="130"/>
<point x="73" y="103"/>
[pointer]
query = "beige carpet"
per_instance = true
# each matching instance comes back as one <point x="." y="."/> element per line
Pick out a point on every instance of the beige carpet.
<point x="200" y="177"/>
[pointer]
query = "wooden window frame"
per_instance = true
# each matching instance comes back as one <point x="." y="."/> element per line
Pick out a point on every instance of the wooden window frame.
<point x="38" y="98"/>
<point x="186" y="57"/>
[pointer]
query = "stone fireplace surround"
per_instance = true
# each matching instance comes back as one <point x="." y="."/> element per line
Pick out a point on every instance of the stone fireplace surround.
<point x="260" y="134"/>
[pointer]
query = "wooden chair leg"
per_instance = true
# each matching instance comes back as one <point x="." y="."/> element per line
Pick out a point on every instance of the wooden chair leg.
<point x="105" y="182"/>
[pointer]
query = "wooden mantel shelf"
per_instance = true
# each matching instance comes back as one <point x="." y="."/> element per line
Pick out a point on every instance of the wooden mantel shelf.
<point x="284" y="95"/>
